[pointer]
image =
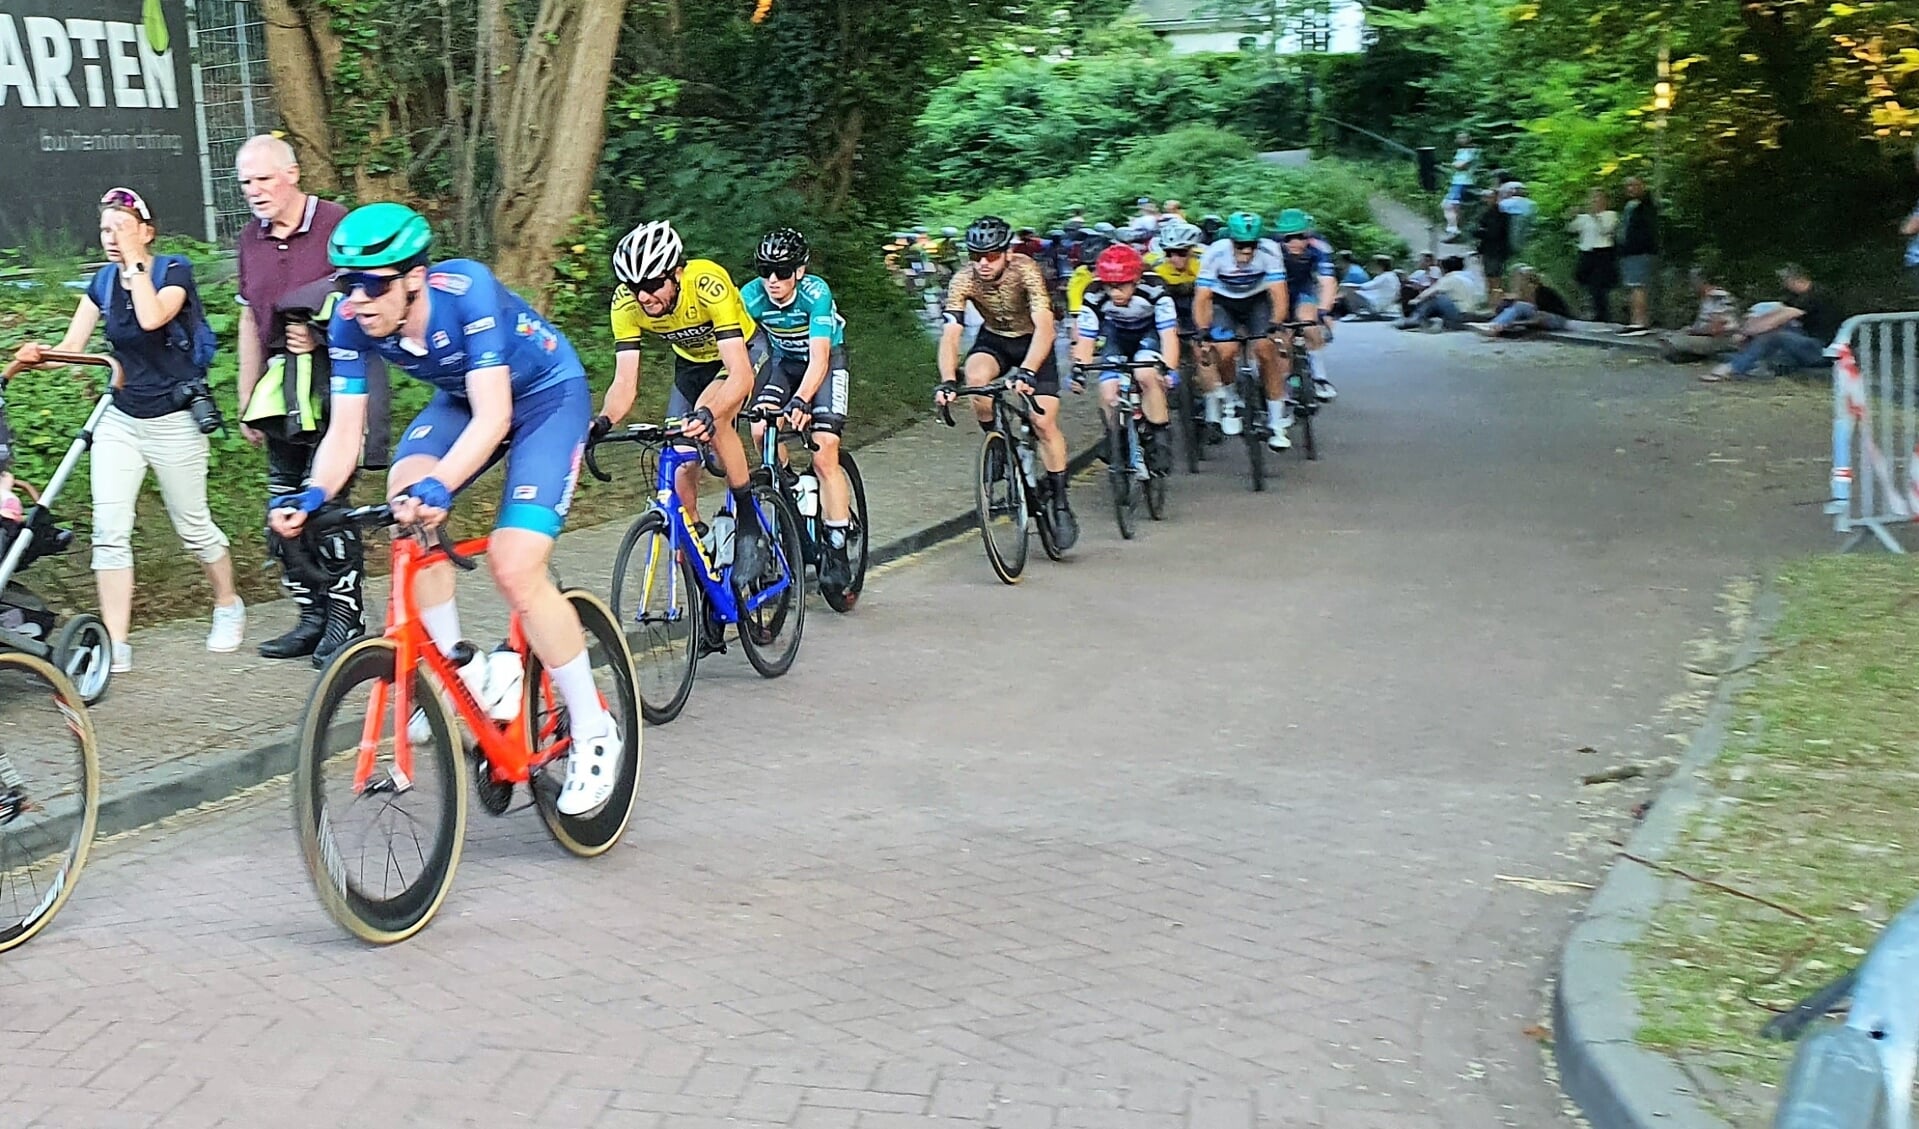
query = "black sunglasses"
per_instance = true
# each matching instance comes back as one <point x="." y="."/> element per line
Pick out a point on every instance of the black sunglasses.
<point x="985" y="256"/>
<point x="375" y="285"/>
<point x="783" y="272"/>
<point x="651" y="285"/>
<point x="1297" y="235"/>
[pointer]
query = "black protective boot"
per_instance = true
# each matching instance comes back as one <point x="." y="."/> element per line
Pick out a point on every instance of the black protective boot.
<point x="300" y="582"/>
<point x="305" y="635"/>
<point x="343" y="559"/>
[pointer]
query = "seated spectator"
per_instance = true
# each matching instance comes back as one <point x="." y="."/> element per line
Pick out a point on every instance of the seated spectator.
<point x="1374" y="299"/>
<point x="1713" y="327"/>
<point x="1791" y="335"/>
<point x="1422" y="276"/>
<point x="1447" y="299"/>
<point x="1346" y="270"/>
<point x="1534" y="305"/>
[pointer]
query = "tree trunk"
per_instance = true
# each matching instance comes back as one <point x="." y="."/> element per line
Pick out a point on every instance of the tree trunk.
<point x="548" y="131"/>
<point x="301" y="52"/>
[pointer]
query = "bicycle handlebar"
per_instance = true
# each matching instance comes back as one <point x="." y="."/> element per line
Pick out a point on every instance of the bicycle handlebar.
<point x="995" y="388"/>
<point x="634" y="433"/>
<point x="769" y="413"/>
<point x="380" y="514"/>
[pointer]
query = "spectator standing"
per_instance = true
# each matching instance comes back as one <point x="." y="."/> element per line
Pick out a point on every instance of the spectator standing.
<point x="1172" y="211"/>
<point x="151" y="310"/>
<point x="1492" y="236"/>
<point x="1713" y="328"/>
<point x="1638" y="255"/>
<point x="1465" y="157"/>
<point x="1521" y="210"/>
<point x="1377" y="297"/>
<point x="1597" y="270"/>
<point x="281" y="254"/>
<point x="1148" y="218"/>
<point x="1029" y="244"/>
<point x="1791" y="335"/>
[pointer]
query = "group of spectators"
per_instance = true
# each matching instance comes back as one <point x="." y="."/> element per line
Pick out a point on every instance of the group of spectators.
<point x="148" y="308"/>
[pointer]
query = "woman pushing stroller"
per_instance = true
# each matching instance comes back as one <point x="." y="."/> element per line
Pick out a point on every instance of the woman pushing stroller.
<point x="159" y="418"/>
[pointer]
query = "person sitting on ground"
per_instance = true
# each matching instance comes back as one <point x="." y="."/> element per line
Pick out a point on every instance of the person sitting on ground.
<point x="1421" y="276"/>
<point x="1533" y="305"/>
<point x="1447" y="299"/>
<point x="1346" y="270"/>
<point x="1374" y="299"/>
<point x="1713" y="327"/>
<point x="1792" y="335"/>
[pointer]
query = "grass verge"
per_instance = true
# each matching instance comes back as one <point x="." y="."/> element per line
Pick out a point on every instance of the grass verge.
<point x="1815" y="795"/>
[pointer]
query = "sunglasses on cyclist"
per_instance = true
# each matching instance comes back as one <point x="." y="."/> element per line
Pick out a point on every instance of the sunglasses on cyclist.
<point x="1178" y="252"/>
<point x="767" y="270"/>
<point x="375" y="285"/>
<point x="986" y="256"/>
<point x="1296" y="237"/>
<point x="651" y="285"/>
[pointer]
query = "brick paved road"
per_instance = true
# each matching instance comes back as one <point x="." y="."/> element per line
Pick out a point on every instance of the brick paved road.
<point x="1198" y="831"/>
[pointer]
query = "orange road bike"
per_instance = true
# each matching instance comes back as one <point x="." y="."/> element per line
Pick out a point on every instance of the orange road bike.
<point x="379" y="787"/>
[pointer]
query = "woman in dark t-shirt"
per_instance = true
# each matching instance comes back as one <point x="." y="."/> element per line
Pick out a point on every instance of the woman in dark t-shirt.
<point x="141" y="300"/>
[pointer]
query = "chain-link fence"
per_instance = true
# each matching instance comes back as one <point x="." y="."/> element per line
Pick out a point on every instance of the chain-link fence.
<point x="236" y="100"/>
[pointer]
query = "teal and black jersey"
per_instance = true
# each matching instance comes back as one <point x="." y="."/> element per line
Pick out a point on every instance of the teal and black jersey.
<point x="791" y="328"/>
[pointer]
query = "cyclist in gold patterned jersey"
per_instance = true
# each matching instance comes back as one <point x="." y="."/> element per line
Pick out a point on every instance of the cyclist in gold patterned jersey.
<point x="1016" y="339"/>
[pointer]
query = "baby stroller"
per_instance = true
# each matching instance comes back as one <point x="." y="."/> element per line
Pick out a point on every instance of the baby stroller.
<point x="80" y="647"/>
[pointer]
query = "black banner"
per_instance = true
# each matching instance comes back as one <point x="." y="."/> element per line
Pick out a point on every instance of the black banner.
<point x="95" y="94"/>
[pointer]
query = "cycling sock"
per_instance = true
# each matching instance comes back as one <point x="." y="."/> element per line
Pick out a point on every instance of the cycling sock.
<point x="1215" y="404"/>
<point x="442" y="622"/>
<point x="1318" y="367"/>
<point x="575" y="683"/>
<point x="985" y="425"/>
<point x="1059" y="480"/>
<point x="1276" y="412"/>
<point x="744" y="515"/>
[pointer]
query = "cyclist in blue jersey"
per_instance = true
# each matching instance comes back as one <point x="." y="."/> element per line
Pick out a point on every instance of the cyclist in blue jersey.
<point x="506" y="384"/>
<point x="806" y="379"/>
<point x="1311" y="283"/>
<point x="1241" y="286"/>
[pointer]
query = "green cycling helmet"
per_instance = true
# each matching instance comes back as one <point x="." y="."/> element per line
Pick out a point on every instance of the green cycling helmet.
<point x="1243" y="227"/>
<point x="380" y="235"/>
<point x="1292" y="221"/>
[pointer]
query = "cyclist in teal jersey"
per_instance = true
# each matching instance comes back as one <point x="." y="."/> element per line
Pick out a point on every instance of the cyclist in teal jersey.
<point x="806" y="379"/>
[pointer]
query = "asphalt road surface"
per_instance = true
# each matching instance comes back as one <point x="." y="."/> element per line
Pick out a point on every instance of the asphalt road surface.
<point x="1198" y="830"/>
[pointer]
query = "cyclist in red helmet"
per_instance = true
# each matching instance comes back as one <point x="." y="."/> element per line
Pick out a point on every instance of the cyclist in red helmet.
<point x="1129" y="321"/>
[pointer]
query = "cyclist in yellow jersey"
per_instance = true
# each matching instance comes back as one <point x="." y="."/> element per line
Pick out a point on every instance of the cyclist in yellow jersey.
<point x="718" y="351"/>
<point x="1090" y="245"/>
<point x="1176" y="265"/>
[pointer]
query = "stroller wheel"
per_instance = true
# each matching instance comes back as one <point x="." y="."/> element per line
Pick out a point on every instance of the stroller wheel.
<point x="84" y="651"/>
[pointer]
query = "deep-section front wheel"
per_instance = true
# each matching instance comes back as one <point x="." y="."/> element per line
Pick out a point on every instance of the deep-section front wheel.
<point x="659" y="605"/>
<point x="857" y="533"/>
<point x="771" y="616"/>
<point x="549" y="736"/>
<point x="1159" y="448"/>
<point x="1187" y="417"/>
<point x="1000" y="500"/>
<point x="1252" y="396"/>
<point x="49" y="794"/>
<point x="381" y="840"/>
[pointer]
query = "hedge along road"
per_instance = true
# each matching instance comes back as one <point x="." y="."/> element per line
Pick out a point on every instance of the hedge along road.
<point x="1201" y="829"/>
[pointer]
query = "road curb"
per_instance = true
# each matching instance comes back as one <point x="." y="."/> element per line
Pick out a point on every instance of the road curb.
<point x="1617" y="1083"/>
<point x="153" y="794"/>
<point x="1649" y="346"/>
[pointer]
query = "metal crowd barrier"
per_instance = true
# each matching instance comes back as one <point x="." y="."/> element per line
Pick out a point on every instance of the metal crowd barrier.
<point x="1875" y="427"/>
<point x="1858" y="1075"/>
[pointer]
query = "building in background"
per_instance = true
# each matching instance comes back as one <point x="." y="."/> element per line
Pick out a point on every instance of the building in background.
<point x="1192" y="27"/>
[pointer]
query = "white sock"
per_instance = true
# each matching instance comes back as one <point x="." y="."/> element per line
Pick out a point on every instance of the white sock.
<point x="1276" y="412"/>
<point x="1318" y="367"/>
<point x="442" y="622"/>
<point x="1214" y="401"/>
<point x="575" y="683"/>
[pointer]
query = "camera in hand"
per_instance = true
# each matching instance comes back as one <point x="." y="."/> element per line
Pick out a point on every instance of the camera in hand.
<point x="197" y="399"/>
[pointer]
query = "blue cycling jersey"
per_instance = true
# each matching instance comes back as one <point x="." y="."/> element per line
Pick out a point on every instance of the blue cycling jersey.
<point x="473" y="322"/>
<point x="790" y="329"/>
<point x="1304" y="270"/>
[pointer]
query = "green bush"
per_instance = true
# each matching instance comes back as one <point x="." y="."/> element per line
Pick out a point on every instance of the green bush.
<point x="1208" y="170"/>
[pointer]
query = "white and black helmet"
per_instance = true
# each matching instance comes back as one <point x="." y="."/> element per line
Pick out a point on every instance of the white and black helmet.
<point x="989" y="233"/>
<point x="651" y="250"/>
<point x="1179" y="235"/>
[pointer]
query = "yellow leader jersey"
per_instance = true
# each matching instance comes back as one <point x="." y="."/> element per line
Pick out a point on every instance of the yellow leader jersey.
<point x="707" y="311"/>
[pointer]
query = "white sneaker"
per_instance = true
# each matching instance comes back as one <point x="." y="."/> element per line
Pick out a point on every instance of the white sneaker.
<point x="592" y="769"/>
<point x="474" y="674"/>
<point x="1325" y="389"/>
<point x="229" y="628"/>
<point x="122" y="658"/>
<point x="1279" y="440"/>
<point x="1231" y="416"/>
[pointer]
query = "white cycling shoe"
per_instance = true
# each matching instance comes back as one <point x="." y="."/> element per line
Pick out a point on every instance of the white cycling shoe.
<point x="592" y="770"/>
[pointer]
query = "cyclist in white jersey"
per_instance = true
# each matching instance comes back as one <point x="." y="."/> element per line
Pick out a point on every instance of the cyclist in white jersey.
<point x="1242" y="282"/>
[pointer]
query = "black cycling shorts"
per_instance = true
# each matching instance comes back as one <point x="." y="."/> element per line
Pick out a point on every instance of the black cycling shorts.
<point x="783" y="374"/>
<point x="691" y="378"/>
<point x="1010" y="352"/>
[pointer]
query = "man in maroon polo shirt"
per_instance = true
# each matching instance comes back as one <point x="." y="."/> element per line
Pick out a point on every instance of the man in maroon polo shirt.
<point x="281" y="259"/>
